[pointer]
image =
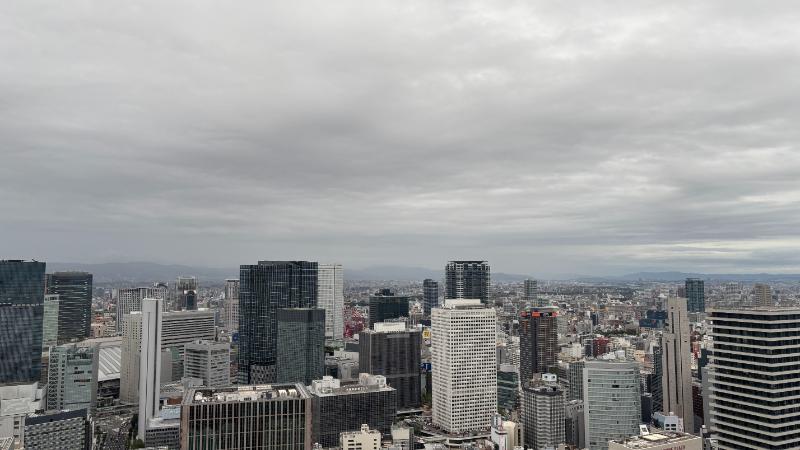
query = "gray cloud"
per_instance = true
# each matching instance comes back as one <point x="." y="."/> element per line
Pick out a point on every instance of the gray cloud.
<point x="546" y="137"/>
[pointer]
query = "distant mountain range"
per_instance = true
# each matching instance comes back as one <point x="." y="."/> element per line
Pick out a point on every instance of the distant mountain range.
<point x="143" y="272"/>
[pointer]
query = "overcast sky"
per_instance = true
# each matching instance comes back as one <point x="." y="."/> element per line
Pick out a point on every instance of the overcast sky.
<point x="546" y="137"/>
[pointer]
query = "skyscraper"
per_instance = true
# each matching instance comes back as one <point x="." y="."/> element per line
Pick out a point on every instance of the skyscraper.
<point x="657" y="379"/>
<point x="532" y="293"/>
<point x="538" y="341"/>
<point x="576" y="380"/>
<point x="74" y="290"/>
<point x="128" y="301"/>
<point x="50" y="321"/>
<point x="464" y="357"/>
<point x="232" y="304"/>
<point x="467" y="279"/>
<point x="265" y="288"/>
<point x="385" y="305"/>
<point x="21" y="313"/>
<point x="209" y="361"/>
<point x="677" y="363"/>
<point x="430" y="295"/>
<point x="695" y="295"/>
<point x="330" y="292"/>
<point x="753" y="378"/>
<point x="393" y="351"/>
<point x="543" y="413"/>
<point x="762" y="295"/>
<point x="150" y="362"/>
<point x="612" y="401"/>
<point x="72" y="377"/>
<point x="301" y="345"/>
<point x="186" y="293"/>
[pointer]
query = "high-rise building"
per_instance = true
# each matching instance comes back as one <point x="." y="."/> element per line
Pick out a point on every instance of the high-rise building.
<point x="657" y="378"/>
<point x="178" y="328"/>
<point x="752" y="378"/>
<point x="276" y="417"/>
<point x="301" y="345"/>
<point x="385" y="305"/>
<point x="430" y="295"/>
<point x="532" y="294"/>
<point x="393" y="351"/>
<point x="209" y="361"/>
<point x="695" y="294"/>
<point x="467" y="279"/>
<point x="150" y="362"/>
<point x="762" y="295"/>
<point x="612" y="401"/>
<point x="543" y="413"/>
<point x="232" y="304"/>
<point x="72" y="377"/>
<point x="130" y="300"/>
<point x="330" y="294"/>
<point x="186" y="293"/>
<point x="576" y="380"/>
<point x="339" y="407"/>
<point x="265" y="288"/>
<point x="58" y="430"/>
<point x="508" y="387"/>
<point x="50" y="321"/>
<point x="677" y="363"/>
<point x="538" y="341"/>
<point x="74" y="290"/>
<point x="21" y="320"/>
<point x="464" y="357"/>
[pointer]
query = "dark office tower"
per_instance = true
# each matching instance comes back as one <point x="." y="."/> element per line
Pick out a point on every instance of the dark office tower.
<point x="74" y="290"/>
<point x="467" y="279"/>
<point x="264" y="288"/>
<point x="538" y="341"/>
<point x="657" y="383"/>
<point x="393" y="351"/>
<point x="385" y="305"/>
<point x="430" y="295"/>
<point x="301" y="345"/>
<point x="21" y="315"/>
<point x="186" y="293"/>
<point x="695" y="295"/>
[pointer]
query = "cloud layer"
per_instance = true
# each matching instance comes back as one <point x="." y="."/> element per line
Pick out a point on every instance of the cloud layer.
<point x="546" y="137"/>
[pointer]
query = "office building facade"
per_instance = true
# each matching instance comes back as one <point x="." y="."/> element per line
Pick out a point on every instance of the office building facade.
<point x="762" y="295"/>
<point x="467" y="280"/>
<point x="677" y="363"/>
<point x="150" y="362"/>
<point x="531" y="294"/>
<point x="538" y="341"/>
<point x="543" y="413"/>
<point x="232" y="304"/>
<point x="209" y="361"/>
<point x="385" y="305"/>
<point x="394" y="351"/>
<point x="50" y="321"/>
<point x="72" y="377"/>
<point x="58" y="431"/>
<point x="612" y="401"/>
<point x="74" y="290"/>
<point x="695" y="294"/>
<point x="330" y="292"/>
<point x="430" y="295"/>
<point x="186" y="294"/>
<point x="22" y="286"/>
<point x="301" y="345"/>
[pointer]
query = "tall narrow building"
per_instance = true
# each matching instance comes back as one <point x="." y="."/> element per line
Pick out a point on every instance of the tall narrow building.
<point x="543" y="413"/>
<point x="130" y="300"/>
<point x="265" y="288"/>
<point x="74" y="290"/>
<point x="464" y="355"/>
<point x="301" y="345"/>
<point x="753" y="377"/>
<point x="232" y="304"/>
<point x="72" y="377"/>
<point x="330" y="294"/>
<point x="677" y="363"/>
<point x="762" y="295"/>
<point x="21" y="320"/>
<point x="394" y="351"/>
<point x="430" y="295"/>
<point x="612" y="401"/>
<point x="532" y="293"/>
<point x="538" y="342"/>
<point x="385" y="305"/>
<point x="467" y="279"/>
<point x="695" y="294"/>
<point x="150" y="362"/>
<point x="50" y="321"/>
<point x="186" y="294"/>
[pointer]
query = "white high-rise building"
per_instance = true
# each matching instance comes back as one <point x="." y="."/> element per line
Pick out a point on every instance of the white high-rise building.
<point x="330" y="297"/>
<point x="676" y="357"/>
<point x="232" y="304"/>
<point x="612" y="401"/>
<point x="150" y="361"/>
<point x="209" y="361"/>
<point x="464" y="360"/>
<point x="130" y="300"/>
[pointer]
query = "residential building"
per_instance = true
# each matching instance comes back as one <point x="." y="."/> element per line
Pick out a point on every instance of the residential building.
<point x="677" y="363"/>
<point x="72" y="377"/>
<point x="363" y="439"/>
<point x="209" y="361"/>
<point x="265" y="288"/>
<point x="301" y="345"/>
<point x="330" y="292"/>
<point x="538" y="340"/>
<point x="74" y="290"/>
<point x="467" y="280"/>
<point x="695" y="294"/>
<point x="464" y="361"/>
<point x="612" y="401"/>
<point x="394" y="351"/>
<point x="543" y="413"/>
<point x="430" y="296"/>
<point x="762" y="295"/>
<point x="385" y="305"/>
<point x="21" y="320"/>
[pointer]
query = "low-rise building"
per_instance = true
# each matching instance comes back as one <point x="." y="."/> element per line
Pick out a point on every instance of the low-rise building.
<point x="661" y="440"/>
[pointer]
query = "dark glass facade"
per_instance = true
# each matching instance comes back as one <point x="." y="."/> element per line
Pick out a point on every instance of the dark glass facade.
<point x="301" y="345"/>
<point x="430" y="295"/>
<point x="348" y="409"/>
<point x="396" y="356"/>
<point x="21" y="312"/>
<point x="385" y="305"/>
<point x="264" y="288"/>
<point x="467" y="279"/>
<point x="695" y="295"/>
<point x="74" y="291"/>
<point x="538" y="342"/>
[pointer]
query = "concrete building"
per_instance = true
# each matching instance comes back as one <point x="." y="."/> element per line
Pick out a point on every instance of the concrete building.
<point x="277" y="417"/>
<point x="16" y="402"/>
<point x="74" y="290"/>
<point x="574" y="424"/>
<point x="543" y="413"/>
<point x="430" y="296"/>
<point x="330" y="294"/>
<point x="659" y="440"/>
<point x="505" y="434"/>
<point x="752" y="378"/>
<point x="762" y="295"/>
<point x="130" y="300"/>
<point x="232" y="304"/>
<point x="467" y="280"/>
<point x="209" y="361"/>
<point x="612" y="401"/>
<point x="538" y="339"/>
<point x="575" y="391"/>
<point x="50" y="321"/>
<point x="72" y="377"/>
<point x="364" y="439"/>
<point x="186" y="294"/>
<point x="301" y="345"/>
<point x="21" y="320"/>
<point x="464" y="361"/>
<point x="345" y="407"/>
<point x="394" y="351"/>
<point x="58" y="431"/>
<point x="385" y="305"/>
<point x="677" y="363"/>
<point x="150" y="362"/>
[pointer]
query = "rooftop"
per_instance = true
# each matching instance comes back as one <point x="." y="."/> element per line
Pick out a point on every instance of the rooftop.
<point x="245" y="393"/>
<point x="655" y="439"/>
